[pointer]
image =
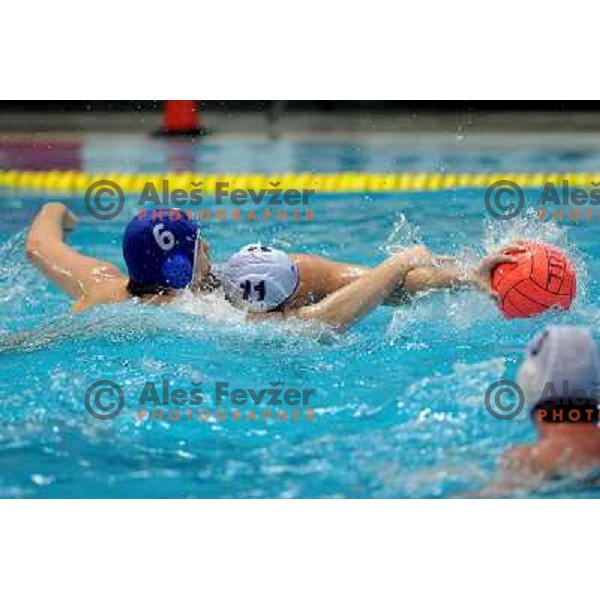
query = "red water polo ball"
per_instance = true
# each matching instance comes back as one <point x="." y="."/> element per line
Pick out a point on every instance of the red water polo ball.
<point x="541" y="279"/>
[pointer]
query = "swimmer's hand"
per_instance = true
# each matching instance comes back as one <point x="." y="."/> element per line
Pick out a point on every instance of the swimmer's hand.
<point x="481" y="277"/>
<point x="78" y="275"/>
<point x="59" y="211"/>
<point x="70" y="220"/>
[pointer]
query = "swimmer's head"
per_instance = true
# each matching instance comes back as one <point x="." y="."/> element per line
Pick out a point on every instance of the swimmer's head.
<point x="160" y="251"/>
<point x="259" y="278"/>
<point x="557" y="355"/>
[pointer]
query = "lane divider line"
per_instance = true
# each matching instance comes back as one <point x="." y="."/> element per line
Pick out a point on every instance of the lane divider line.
<point x="130" y="183"/>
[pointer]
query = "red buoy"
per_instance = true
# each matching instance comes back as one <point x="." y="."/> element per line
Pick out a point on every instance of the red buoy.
<point x="181" y="117"/>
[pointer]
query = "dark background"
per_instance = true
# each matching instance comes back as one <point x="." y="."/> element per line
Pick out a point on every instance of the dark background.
<point x="303" y="105"/>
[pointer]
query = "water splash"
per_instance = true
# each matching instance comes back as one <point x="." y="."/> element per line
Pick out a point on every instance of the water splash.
<point x="404" y="235"/>
<point x="527" y="225"/>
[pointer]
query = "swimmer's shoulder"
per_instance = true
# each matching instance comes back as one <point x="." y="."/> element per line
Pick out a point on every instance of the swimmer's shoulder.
<point x="319" y="268"/>
<point x="109" y="292"/>
<point x="527" y="460"/>
<point x="516" y="457"/>
<point x="519" y="469"/>
<point x="320" y="277"/>
<point x="569" y="458"/>
<point x="547" y="459"/>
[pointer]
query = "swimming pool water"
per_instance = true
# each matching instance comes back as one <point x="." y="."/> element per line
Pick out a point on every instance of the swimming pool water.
<point x="450" y="151"/>
<point x="399" y="400"/>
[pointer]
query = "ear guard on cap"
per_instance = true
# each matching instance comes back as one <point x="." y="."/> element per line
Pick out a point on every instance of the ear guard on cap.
<point x="177" y="271"/>
<point x="159" y="250"/>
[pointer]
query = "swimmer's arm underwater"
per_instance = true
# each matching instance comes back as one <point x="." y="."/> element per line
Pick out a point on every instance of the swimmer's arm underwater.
<point x="78" y="275"/>
<point x="349" y="304"/>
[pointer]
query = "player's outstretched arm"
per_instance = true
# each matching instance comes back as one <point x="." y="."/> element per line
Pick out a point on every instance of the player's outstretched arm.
<point x="349" y="304"/>
<point x="76" y="274"/>
<point x="324" y="276"/>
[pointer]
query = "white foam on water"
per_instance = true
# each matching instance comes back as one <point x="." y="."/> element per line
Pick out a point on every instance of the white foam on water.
<point x="498" y="233"/>
<point x="211" y="306"/>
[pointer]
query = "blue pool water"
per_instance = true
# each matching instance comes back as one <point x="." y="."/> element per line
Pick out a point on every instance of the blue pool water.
<point x="398" y="402"/>
<point x="378" y="153"/>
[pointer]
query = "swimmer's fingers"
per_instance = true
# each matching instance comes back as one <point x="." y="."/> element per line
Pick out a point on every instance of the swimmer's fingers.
<point x="515" y="247"/>
<point x="483" y="274"/>
<point x="70" y="220"/>
<point x="491" y="262"/>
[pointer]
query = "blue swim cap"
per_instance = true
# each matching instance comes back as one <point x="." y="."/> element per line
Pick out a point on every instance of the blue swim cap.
<point x="159" y="249"/>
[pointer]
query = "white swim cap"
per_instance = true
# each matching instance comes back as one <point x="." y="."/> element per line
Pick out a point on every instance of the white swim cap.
<point x="259" y="278"/>
<point x="557" y="355"/>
